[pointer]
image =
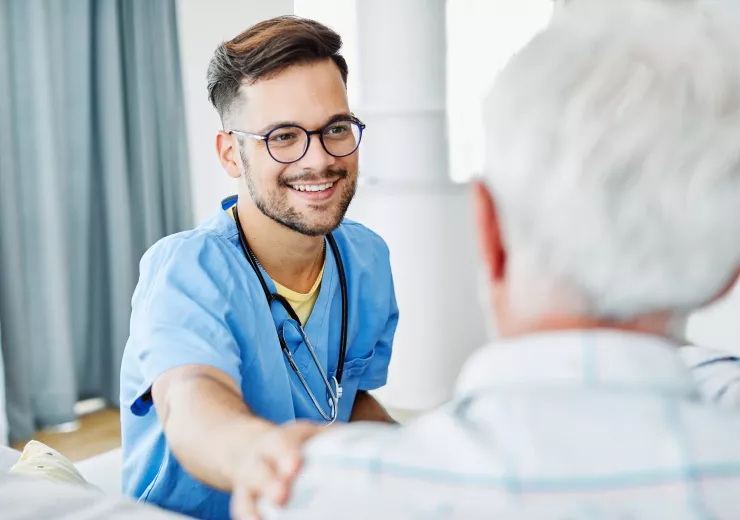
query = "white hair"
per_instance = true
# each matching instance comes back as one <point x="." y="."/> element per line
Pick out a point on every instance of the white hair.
<point x="613" y="154"/>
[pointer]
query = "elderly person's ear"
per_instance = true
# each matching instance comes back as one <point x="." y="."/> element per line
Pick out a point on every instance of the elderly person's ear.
<point x="489" y="233"/>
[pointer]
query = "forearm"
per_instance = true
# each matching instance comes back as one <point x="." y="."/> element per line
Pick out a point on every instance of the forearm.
<point x="367" y="408"/>
<point x="207" y="424"/>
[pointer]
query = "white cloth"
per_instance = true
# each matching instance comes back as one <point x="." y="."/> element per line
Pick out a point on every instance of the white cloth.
<point x="716" y="373"/>
<point x="577" y="425"/>
<point x="23" y="498"/>
<point x="8" y="458"/>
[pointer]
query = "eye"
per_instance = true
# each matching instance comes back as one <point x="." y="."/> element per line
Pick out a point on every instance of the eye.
<point x="338" y="129"/>
<point x="281" y="137"/>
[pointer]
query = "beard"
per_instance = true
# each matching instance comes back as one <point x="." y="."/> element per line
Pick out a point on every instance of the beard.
<point x="273" y="203"/>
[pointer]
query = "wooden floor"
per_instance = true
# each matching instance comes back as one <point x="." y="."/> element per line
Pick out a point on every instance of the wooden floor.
<point x="99" y="432"/>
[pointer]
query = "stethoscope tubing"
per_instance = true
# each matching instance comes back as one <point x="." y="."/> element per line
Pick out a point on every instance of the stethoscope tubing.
<point x="335" y="393"/>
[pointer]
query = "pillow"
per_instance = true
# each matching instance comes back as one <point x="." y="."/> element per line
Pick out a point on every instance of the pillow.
<point x="40" y="461"/>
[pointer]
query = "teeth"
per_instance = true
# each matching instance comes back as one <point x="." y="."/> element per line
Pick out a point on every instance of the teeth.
<point x="312" y="187"/>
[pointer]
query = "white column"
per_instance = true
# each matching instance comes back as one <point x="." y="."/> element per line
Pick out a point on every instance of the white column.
<point x="408" y="198"/>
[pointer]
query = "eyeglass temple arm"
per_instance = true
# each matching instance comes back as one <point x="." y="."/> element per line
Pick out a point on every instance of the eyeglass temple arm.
<point x="248" y="134"/>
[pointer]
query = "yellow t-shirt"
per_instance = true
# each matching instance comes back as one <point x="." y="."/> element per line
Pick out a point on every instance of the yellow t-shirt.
<point x="302" y="303"/>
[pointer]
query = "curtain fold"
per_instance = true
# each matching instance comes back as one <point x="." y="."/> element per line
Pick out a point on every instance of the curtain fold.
<point x="3" y="414"/>
<point x="93" y="170"/>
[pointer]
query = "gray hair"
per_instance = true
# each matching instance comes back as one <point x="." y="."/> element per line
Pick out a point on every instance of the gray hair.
<point x="613" y="153"/>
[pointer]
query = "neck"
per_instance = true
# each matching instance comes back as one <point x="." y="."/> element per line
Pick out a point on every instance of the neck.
<point x="291" y="259"/>
<point x="659" y="324"/>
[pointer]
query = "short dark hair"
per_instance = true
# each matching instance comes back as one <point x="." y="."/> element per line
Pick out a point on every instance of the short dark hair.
<point x="266" y="49"/>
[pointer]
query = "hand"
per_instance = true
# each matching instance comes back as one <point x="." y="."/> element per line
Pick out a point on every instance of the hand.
<point x="268" y="468"/>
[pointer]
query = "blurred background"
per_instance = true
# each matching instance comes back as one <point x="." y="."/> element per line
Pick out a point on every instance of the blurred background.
<point x="107" y="144"/>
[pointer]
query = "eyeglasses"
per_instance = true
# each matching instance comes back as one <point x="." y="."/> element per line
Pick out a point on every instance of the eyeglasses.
<point x="289" y="143"/>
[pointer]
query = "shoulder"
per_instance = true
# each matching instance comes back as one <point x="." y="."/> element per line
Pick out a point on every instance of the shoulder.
<point x="197" y="248"/>
<point x="212" y="241"/>
<point x="364" y="246"/>
<point x="202" y="258"/>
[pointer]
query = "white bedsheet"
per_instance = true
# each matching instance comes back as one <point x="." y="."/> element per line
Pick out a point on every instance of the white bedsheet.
<point x="8" y="457"/>
<point x="30" y="499"/>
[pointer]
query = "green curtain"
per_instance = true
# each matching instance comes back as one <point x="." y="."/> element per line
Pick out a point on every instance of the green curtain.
<point x="93" y="170"/>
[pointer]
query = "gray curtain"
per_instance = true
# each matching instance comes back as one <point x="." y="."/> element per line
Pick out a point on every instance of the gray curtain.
<point x="93" y="170"/>
<point x="3" y="415"/>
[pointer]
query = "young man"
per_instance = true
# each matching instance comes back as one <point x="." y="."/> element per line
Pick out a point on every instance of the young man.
<point x="610" y="210"/>
<point x="275" y="309"/>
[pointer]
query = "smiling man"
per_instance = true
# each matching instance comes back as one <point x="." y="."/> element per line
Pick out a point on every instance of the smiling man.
<point x="275" y="317"/>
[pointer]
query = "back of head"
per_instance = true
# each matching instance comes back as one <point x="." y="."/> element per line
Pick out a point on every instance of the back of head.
<point x="613" y="155"/>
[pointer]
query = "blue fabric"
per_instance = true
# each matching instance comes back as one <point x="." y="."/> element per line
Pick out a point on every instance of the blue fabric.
<point x="199" y="302"/>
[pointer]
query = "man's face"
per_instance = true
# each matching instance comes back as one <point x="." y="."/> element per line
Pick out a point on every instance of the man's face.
<point x="296" y="194"/>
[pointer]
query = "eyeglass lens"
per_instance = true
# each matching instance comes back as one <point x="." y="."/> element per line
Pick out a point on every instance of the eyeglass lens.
<point x="289" y="143"/>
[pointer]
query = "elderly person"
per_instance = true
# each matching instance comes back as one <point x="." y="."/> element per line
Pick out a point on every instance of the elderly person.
<point x="610" y="209"/>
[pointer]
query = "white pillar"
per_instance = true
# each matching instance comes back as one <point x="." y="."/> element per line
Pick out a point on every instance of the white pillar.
<point x="408" y="198"/>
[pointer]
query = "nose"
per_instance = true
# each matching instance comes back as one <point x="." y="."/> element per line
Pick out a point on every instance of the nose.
<point x="317" y="158"/>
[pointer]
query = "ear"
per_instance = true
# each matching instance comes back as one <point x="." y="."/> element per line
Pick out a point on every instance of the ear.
<point x="489" y="232"/>
<point x="228" y="153"/>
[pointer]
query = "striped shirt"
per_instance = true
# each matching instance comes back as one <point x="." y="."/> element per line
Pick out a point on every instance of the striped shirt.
<point x="570" y="425"/>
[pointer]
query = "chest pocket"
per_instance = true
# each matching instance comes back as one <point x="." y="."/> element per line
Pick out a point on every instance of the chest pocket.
<point x="354" y="370"/>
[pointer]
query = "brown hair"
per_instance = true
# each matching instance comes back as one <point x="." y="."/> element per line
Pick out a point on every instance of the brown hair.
<point x="266" y="49"/>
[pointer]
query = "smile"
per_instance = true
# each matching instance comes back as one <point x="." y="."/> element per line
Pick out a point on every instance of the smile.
<point x="312" y="187"/>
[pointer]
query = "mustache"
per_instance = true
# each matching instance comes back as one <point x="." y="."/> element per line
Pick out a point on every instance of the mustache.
<point x="313" y="177"/>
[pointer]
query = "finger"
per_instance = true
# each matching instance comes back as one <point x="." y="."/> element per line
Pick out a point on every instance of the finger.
<point x="302" y="431"/>
<point x="274" y="486"/>
<point x="288" y="461"/>
<point x="289" y="452"/>
<point x="278" y="491"/>
<point x="263" y="481"/>
<point x="244" y="505"/>
<point x="266" y="481"/>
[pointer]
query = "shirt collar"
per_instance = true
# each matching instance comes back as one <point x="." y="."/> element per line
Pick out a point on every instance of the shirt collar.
<point x="587" y="358"/>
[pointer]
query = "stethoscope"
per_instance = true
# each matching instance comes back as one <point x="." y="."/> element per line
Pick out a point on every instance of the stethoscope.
<point x="333" y="384"/>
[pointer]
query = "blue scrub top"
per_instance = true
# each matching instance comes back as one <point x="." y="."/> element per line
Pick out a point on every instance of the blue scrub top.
<point x="198" y="301"/>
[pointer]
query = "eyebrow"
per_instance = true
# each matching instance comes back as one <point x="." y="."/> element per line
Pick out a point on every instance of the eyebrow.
<point x="336" y="117"/>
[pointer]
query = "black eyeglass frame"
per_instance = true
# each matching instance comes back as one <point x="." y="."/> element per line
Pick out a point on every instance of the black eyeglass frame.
<point x="309" y="133"/>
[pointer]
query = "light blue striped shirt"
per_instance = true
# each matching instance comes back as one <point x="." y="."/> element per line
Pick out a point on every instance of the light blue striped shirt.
<point x="572" y="425"/>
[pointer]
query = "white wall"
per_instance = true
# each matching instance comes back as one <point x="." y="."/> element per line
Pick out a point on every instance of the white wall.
<point x="718" y="326"/>
<point x="339" y="15"/>
<point x="203" y="25"/>
<point x="482" y="35"/>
